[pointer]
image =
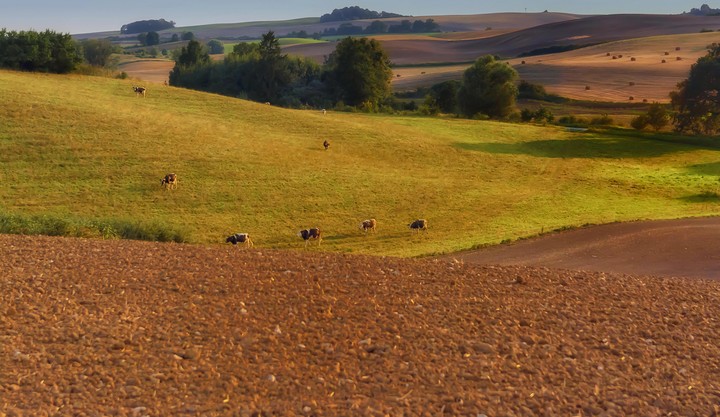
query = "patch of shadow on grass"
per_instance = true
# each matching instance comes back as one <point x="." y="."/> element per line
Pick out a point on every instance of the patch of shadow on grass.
<point x="574" y="148"/>
<point x="704" y="197"/>
<point x="712" y="169"/>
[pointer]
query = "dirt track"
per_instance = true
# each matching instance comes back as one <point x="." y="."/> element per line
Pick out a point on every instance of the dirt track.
<point x="99" y="328"/>
<point x="669" y="248"/>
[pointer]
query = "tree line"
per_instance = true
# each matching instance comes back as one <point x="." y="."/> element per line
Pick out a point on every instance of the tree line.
<point x="357" y="73"/>
<point x="354" y="13"/>
<point x="46" y="51"/>
<point x="378" y="27"/>
<point x="144" y="26"/>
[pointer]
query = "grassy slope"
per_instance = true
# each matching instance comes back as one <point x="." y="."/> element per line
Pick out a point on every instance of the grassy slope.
<point x="87" y="147"/>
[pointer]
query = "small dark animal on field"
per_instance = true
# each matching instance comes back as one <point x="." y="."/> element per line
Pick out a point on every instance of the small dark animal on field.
<point x="170" y="181"/>
<point x="140" y="91"/>
<point x="326" y="144"/>
<point x="369" y="224"/>
<point x="240" y="238"/>
<point x="418" y="225"/>
<point x="308" y="234"/>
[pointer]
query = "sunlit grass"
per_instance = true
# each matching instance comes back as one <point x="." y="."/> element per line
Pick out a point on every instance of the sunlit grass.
<point x="88" y="150"/>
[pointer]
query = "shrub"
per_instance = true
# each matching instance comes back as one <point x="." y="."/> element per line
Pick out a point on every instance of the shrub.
<point x="602" y="120"/>
<point x="572" y="120"/>
<point x="639" y="122"/>
<point x="74" y="227"/>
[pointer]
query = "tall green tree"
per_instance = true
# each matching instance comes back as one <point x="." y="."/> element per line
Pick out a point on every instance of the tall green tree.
<point x="359" y="72"/>
<point x="698" y="97"/>
<point x="446" y="95"/>
<point x="153" y="38"/>
<point x="488" y="88"/>
<point x="216" y="47"/>
<point x="192" y="67"/>
<point x="97" y="52"/>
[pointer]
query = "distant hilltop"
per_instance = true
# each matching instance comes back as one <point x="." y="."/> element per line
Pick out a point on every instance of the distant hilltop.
<point x="146" y="26"/>
<point x="354" y="13"/>
<point x="705" y="10"/>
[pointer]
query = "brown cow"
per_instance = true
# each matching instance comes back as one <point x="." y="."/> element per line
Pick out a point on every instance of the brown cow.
<point x="326" y="144"/>
<point x="170" y="181"/>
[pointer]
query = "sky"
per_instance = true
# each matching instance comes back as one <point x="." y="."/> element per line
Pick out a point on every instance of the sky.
<point x="85" y="16"/>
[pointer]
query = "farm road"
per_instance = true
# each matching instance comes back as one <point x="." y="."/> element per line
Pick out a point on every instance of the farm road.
<point x="667" y="248"/>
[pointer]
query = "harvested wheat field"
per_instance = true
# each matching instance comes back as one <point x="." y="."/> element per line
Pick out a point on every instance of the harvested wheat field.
<point x="104" y="328"/>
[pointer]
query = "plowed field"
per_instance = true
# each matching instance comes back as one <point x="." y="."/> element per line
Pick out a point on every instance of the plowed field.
<point x="103" y="328"/>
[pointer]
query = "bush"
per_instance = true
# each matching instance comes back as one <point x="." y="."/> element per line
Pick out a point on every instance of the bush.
<point x="602" y="120"/>
<point x="541" y="115"/>
<point x="74" y="227"/>
<point x="639" y="122"/>
<point x="572" y="120"/>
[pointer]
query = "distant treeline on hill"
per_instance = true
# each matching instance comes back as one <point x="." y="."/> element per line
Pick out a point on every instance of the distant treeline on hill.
<point x="143" y="26"/>
<point x="354" y="13"/>
<point x="705" y="10"/>
<point x="374" y="28"/>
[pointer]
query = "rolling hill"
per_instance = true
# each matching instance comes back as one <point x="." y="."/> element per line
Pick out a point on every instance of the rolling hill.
<point x="81" y="154"/>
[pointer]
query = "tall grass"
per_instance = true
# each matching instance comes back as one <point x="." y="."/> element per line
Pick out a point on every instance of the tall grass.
<point x="75" y="149"/>
<point x="51" y="225"/>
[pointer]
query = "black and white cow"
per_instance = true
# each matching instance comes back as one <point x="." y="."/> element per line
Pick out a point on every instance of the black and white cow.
<point x="369" y="224"/>
<point x="170" y="181"/>
<point x="240" y="238"/>
<point x="308" y="234"/>
<point x="418" y="225"/>
<point x="140" y="91"/>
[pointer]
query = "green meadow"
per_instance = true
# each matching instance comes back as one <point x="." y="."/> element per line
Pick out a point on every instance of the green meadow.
<point x="83" y="156"/>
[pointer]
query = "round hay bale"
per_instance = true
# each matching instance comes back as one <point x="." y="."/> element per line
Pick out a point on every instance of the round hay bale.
<point x="644" y="100"/>
<point x="677" y="48"/>
<point x="522" y="62"/>
<point x="614" y="57"/>
<point x="587" y="87"/>
<point x="667" y="53"/>
<point x="631" y="83"/>
<point x="678" y="58"/>
<point x="663" y="61"/>
<point x="632" y="59"/>
<point x="631" y="98"/>
<point x="608" y="54"/>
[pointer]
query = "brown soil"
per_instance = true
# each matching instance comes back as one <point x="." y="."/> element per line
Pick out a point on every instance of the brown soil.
<point x="669" y="248"/>
<point x="102" y="328"/>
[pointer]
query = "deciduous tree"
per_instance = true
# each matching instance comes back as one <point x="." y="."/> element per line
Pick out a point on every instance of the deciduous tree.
<point x="488" y="88"/>
<point x="698" y="97"/>
<point x="359" y="72"/>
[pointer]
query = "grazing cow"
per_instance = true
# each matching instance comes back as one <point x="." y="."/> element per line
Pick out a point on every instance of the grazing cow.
<point x="418" y="225"/>
<point x="308" y="234"/>
<point x="324" y="111"/>
<point x="369" y="224"/>
<point x="170" y="181"/>
<point x="140" y="91"/>
<point x="240" y="238"/>
<point x="326" y="144"/>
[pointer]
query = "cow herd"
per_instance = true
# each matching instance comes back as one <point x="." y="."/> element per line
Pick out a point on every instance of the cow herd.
<point x="314" y="233"/>
<point x="170" y="181"/>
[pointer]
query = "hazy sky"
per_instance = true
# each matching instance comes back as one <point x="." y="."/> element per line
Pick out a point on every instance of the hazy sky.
<point x="83" y="16"/>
